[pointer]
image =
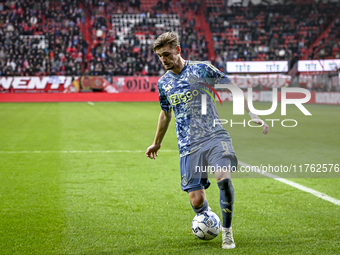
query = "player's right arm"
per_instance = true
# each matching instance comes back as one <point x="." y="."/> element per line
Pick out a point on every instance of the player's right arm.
<point x="162" y="127"/>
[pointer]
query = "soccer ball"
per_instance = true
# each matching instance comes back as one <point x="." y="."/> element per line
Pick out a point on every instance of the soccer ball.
<point x="206" y="225"/>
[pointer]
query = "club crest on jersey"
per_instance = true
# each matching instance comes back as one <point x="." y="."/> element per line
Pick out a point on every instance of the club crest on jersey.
<point x="192" y="79"/>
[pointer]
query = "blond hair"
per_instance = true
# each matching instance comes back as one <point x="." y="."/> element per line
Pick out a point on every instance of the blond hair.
<point x="168" y="38"/>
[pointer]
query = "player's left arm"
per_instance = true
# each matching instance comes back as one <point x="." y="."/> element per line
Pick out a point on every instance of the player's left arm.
<point x="255" y="118"/>
<point x="220" y="77"/>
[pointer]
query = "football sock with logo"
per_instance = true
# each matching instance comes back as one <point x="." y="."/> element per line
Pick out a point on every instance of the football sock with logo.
<point x="227" y="197"/>
<point x="204" y="207"/>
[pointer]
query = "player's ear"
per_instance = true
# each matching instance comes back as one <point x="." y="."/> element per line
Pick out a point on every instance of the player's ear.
<point x="178" y="48"/>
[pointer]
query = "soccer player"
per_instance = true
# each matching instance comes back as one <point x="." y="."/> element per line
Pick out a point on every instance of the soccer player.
<point x="201" y="141"/>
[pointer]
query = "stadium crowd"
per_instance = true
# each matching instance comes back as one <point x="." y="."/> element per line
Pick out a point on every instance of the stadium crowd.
<point x="272" y="32"/>
<point x="115" y="37"/>
<point x="40" y="38"/>
<point x="329" y="46"/>
<point x="124" y="50"/>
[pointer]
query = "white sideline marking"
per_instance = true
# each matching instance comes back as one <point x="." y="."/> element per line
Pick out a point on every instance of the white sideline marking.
<point x="108" y="151"/>
<point x="275" y="177"/>
<point x="298" y="186"/>
<point x="90" y="103"/>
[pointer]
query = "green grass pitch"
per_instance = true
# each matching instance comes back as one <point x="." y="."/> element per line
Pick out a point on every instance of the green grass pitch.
<point x="74" y="180"/>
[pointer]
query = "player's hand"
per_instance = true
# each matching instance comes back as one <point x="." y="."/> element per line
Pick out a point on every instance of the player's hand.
<point x="265" y="128"/>
<point x="152" y="151"/>
<point x="264" y="125"/>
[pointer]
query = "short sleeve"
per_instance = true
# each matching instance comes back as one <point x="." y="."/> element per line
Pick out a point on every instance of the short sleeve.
<point x="165" y="105"/>
<point x="216" y="75"/>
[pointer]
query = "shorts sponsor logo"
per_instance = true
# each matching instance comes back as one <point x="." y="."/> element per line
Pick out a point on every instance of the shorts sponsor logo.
<point x="184" y="180"/>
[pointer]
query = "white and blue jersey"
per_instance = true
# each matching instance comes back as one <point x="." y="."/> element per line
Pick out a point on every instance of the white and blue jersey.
<point x="182" y="93"/>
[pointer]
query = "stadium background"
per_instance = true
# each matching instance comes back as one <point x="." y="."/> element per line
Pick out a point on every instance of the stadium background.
<point x="73" y="175"/>
<point x="106" y="46"/>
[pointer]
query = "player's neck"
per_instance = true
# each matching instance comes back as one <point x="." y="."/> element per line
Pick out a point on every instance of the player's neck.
<point x="178" y="69"/>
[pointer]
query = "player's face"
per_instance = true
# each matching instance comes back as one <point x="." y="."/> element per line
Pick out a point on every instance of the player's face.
<point x="169" y="57"/>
